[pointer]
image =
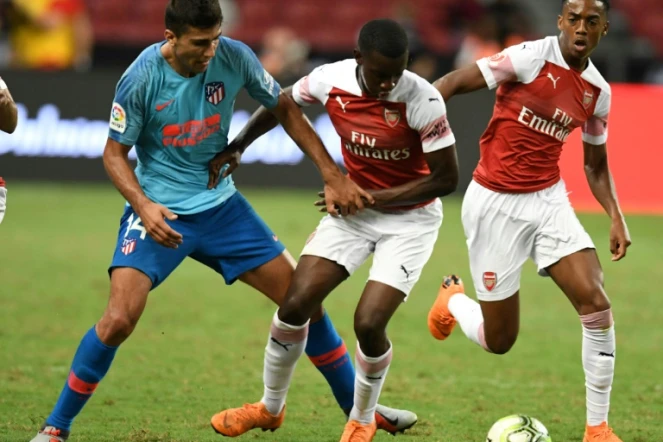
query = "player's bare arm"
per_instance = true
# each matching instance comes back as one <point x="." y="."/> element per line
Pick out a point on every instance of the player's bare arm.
<point x="8" y="111"/>
<point x="261" y="122"/>
<point x="442" y="180"/>
<point x="340" y="190"/>
<point x="603" y="187"/>
<point x="461" y="81"/>
<point x="116" y="162"/>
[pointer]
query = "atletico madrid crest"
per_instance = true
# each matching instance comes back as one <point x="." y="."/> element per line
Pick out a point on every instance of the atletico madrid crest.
<point x="489" y="280"/>
<point x="215" y="92"/>
<point x="392" y="117"/>
<point x="128" y="246"/>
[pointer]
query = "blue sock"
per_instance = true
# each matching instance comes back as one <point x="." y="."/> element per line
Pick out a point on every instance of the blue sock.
<point x="327" y="351"/>
<point x="91" y="363"/>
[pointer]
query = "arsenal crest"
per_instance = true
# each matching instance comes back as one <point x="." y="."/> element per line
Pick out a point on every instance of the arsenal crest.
<point x="587" y="99"/>
<point x="489" y="280"/>
<point x="392" y="117"/>
<point x="215" y="92"/>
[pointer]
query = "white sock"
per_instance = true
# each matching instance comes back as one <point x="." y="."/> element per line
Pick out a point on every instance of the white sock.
<point x="285" y="345"/>
<point x="598" y="361"/>
<point x="369" y="379"/>
<point x="468" y="315"/>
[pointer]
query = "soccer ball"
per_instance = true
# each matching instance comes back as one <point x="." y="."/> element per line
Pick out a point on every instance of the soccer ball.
<point x="518" y="428"/>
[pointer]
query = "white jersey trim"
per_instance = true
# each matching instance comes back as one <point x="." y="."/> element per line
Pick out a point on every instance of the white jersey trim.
<point x="595" y="130"/>
<point x="315" y="87"/>
<point x="425" y="110"/>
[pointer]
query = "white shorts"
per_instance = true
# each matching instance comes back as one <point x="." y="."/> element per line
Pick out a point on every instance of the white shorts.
<point x="402" y="243"/>
<point x="504" y="229"/>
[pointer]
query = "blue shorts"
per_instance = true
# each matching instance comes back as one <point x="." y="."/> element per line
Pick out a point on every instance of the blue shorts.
<point x="230" y="238"/>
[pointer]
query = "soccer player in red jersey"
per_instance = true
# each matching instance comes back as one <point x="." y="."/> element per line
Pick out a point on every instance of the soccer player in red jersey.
<point x="3" y="199"/>
<point x="397" y="144"/>
<point x="8" y="120"/>
<point x="517" y="205"/>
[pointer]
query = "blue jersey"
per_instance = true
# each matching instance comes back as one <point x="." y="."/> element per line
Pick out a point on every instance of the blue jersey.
<point x="178" y="124"/>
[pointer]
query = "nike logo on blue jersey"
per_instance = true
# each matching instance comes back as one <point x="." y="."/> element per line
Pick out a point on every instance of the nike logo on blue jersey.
<point x="160" y="107"/>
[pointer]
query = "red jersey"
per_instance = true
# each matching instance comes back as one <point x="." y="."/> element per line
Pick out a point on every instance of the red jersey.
<point x="383" y="141"/>
<point x="540" y="101"/>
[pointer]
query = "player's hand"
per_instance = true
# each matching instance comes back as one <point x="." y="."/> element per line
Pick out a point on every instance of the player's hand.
<point x="231" y="156"/>
<point x="342" y="196"/>
<point x="620" y="239"/>
<point x="322" y="204"/>
<point x="153" y="216"/>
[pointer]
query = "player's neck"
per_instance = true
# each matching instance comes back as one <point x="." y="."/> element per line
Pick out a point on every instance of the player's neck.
<point x="361" y="81"/>
<point x="169" y="56"/>
<point x="577" y="64"/>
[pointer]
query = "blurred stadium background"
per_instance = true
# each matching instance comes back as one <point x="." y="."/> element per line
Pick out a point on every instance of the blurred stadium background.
<point x="61" y="60"/>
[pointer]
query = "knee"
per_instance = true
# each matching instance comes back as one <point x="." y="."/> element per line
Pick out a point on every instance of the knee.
<point x="600" y="303"/>
<point x="369" y="330"/>
<point x="294" y="309"/>
<point x="115" y="327"/>
<point x="593" y="299"/>
<point x="501" y="343"/>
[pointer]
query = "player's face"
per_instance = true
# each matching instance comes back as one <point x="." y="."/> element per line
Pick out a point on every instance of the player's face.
<point x="583" y="23"/>
<point x="380" y="74"/>
<point x="194" y="49"/>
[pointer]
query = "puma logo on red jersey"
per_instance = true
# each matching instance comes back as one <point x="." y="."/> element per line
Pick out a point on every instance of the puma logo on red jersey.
<point x="553" y="79"/>
<point x="338" y="98"/>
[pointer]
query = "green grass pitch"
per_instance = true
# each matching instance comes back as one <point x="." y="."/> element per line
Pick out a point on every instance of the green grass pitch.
<point x="199" y="346"/>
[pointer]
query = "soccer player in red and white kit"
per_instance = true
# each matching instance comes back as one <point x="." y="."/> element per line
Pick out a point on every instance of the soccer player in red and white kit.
<point x="8" y="120"/>
<point x="397" y="144"/>
<point x="8" y="110"/>
<point x="517" y="205"/>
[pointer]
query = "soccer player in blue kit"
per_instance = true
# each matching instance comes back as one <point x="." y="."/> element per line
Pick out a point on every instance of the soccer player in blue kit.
<point x="174" y="103"/>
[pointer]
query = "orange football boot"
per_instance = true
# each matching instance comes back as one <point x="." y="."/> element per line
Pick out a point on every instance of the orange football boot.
<point x="600" y="433"/>
<point x="237" y="421"/>
<point x="355" y="431"/>
<point x="440" y="320"/>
